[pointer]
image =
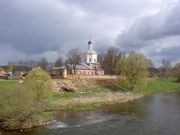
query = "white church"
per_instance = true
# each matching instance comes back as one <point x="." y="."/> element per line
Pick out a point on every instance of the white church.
<point x="90" y="67"/>
<point x="91" y="55"/>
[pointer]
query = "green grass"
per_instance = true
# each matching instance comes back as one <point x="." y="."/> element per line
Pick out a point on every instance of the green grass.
<point x="157" y="85"/>
<point x="7" y="84"/>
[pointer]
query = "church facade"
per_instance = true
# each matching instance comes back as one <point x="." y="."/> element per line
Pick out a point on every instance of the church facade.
<point x="90" y="67"/>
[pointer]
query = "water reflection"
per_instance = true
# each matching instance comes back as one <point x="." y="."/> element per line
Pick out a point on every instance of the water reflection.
<point x="105" y="113"/>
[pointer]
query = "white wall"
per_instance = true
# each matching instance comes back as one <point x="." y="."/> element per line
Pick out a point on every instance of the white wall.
<point x="92" y="57"/>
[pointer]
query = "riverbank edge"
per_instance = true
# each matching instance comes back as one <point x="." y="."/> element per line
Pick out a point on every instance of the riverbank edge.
<point x="77" y="104"/>
<point x="95" y="101"/>
<point x="92" y="102"/>
<point x="82" y="104"/>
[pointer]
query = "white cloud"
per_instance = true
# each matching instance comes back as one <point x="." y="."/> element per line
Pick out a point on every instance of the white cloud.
<point x="154" y="35"/>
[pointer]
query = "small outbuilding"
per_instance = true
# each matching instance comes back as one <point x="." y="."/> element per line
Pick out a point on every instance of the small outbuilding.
<point x="3" y="75"/>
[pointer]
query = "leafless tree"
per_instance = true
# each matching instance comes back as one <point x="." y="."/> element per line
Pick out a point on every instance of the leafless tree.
<point x="110" y="60"/>
<point x="167" y="68"/>
<point x="152" y="70"/>
<point x="150" y="63"/>
<point x="11" y="65"/>
<point x="74" y="56"/>
<point x="59" y="62"/>
<point x="101" y="59"/>
<point x="43" y="63"/>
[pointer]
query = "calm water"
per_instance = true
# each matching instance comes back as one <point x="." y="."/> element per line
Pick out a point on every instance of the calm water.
<point x="158" y="114"/>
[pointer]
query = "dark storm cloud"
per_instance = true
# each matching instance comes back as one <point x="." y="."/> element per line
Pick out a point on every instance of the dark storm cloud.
<point x="125" y="8"/>
<point x="37" y="26"/>
<point x="154" y="35"/>
<point x="172" y="22"/>
<point x="48" y="28"/>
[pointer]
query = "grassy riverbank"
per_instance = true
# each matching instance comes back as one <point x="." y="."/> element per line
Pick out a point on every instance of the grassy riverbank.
<point x="85" y="99"/>
<point x="158" y="85"/>
<point x="108" y="94"/>
<point x="91" y="98"/>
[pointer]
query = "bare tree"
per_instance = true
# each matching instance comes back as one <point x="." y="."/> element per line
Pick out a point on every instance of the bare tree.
<point x="32" y="63"/>
<point x="167" y="68"/>
<point x="43" y="63"/>
<point x="152" y="70"/>
<point x="59" y="62"/>
<point x="101" y="59"/>
<point x="27" y="63"/>
<point x="11" y="65"/>
<point x="110" y="60"/>
<point x="150" y="63"/>
<point x="74" y="56"/>
<point x="21" y="63"/>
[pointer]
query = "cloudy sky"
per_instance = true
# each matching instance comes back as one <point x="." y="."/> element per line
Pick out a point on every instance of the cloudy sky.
<point x="32" y="29"/>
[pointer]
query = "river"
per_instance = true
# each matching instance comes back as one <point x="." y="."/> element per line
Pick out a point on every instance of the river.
<point x="158" y="114"/>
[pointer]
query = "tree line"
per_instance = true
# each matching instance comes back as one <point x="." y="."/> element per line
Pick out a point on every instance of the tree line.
<point x="74" y="56"/>
<point x="108" y="61"/>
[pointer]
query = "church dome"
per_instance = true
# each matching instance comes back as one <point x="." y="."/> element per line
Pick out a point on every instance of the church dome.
<point x="89" y="42"/>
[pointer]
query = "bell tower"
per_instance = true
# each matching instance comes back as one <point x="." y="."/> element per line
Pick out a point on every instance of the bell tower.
<point x="89" y="44"/>
<point x="91" y="56"/>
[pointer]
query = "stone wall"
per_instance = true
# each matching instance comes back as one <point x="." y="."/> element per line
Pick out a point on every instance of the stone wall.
<point x="91" y="77"/>
<point x="100" y="77"/>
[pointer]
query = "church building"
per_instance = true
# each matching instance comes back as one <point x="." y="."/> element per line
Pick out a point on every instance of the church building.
<point x="90" y="67"/>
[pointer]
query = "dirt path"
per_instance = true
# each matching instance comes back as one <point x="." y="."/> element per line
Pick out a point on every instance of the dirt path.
<point x="105" y="98"/>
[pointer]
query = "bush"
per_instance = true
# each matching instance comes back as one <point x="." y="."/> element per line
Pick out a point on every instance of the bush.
<point x="15" y="106"/>
<point x="176" y="72"/>
<point x="39" y="83"/>
<point x="133" y="68"/>
<point x="21" y="104"/>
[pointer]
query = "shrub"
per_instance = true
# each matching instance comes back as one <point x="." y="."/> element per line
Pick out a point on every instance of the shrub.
<point x="133" y="68"/>
<point x="39" y="83"/>
<point x="176" y="72"/>
<point x="20" y="104"/>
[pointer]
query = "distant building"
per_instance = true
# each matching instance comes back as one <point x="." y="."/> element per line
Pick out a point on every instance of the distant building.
<point x="90" y="67"/>
<point x="3" y="74"/>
